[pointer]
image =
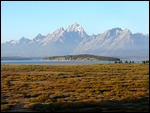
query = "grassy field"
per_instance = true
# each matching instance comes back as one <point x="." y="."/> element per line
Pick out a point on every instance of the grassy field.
<point x="75" y="88"/>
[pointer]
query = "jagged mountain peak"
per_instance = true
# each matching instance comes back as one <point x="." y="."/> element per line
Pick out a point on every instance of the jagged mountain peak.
<point x="126" y="33"/>
<point x="75" y="27"/>
<point x="56" y="35"/>
<point x="74" y="40"/>
<point x="114" y="32"/>
<point x="39" y="35"/>
<point x="59" y="30"/>
<point x="116" y="29"/>
<point x="13" y="41"/>
<point x="75" y="24"/>
<point x="38" y="38"/>
<point x="126" y="30"/>
<point x="24" y="39"/>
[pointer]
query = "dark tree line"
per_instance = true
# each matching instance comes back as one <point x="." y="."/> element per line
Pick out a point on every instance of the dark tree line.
<point x="124" y="62"/>
<point x="145" y="61"/>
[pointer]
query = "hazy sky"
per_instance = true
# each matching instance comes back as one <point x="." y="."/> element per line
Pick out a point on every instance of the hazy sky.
<point x="25" y="18"/>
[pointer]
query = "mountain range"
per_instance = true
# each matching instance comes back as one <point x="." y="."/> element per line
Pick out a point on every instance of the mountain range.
<point x="114" y="42"/>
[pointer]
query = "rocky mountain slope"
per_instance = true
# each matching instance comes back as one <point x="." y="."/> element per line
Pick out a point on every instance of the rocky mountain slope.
<point x="74" y="40"/>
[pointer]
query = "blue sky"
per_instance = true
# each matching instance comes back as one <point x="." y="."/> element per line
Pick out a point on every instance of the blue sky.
<point x="25" y="18"/>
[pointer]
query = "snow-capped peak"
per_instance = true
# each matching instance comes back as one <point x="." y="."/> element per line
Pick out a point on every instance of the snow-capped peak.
<point x="74" y="40"/>
<point x="114" y="32"/>
<point x="75" y="27"/>
<point x="13" y="41"/>
<point x="127" y="31"/>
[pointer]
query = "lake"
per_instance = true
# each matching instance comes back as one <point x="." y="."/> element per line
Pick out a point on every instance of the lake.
<point x="47" y="62"/>
<point x="41" y="62"/>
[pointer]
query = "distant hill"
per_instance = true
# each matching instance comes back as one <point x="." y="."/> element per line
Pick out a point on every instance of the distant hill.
<point x="82" y="57"/>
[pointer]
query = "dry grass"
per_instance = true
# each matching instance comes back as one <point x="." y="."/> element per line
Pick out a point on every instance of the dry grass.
<point x="109" y="87"/>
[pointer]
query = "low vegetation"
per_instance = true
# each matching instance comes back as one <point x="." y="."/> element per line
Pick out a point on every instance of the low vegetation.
<point x="84" y="57"/>
<point x="75" y="88"/>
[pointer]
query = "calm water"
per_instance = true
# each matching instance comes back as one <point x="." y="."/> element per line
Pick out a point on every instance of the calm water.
<point x="41" y="62"/>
